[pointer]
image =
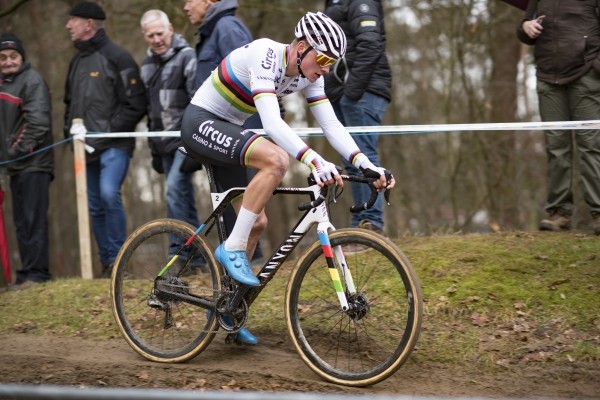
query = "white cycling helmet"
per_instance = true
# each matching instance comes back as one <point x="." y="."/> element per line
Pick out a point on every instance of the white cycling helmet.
<point x="322" y="34"/>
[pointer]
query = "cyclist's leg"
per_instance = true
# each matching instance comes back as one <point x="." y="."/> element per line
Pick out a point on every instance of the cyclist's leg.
<point x="238" y="176"/>
<point x="210" y="139"/>
<point x="271" y="162"/>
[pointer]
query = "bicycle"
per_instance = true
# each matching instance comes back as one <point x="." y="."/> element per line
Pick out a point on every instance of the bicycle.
<point x="354" y="318"/>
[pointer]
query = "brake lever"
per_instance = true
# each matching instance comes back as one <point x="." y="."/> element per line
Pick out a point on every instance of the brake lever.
<point x="335" y="184"/>
<point x="334" y="195"/>
<point x="387" y="192"/>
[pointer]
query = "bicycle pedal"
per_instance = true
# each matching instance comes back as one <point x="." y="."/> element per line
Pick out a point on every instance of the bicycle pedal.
<point x="231" y="338"/>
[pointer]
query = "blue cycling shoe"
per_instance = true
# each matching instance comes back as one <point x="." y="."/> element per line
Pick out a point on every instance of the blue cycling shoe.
<point x="236" y="264"/>
<point x="243" y="335"/>
<point x="246" y="337"/>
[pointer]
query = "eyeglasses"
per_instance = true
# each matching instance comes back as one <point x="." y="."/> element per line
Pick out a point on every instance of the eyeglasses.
<point x="324" y="60"/>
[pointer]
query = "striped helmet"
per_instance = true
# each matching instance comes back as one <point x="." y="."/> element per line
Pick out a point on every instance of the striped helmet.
<point x="322" y="33"/>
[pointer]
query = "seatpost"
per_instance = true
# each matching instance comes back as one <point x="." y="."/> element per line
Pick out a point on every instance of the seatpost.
<point x="213" y="188"/>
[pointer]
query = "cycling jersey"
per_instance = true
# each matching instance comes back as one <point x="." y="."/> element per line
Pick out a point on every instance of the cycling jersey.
<point x="252" y="78"/>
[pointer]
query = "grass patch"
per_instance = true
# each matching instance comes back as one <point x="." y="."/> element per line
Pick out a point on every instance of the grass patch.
<point x="491" y="299"/>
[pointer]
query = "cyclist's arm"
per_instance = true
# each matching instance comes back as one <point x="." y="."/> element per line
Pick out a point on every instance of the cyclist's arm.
<point x="281" y="133"/>
<point x="338" y="135"/>
<point x="275" y="127"/>
<point x="334" y="131"/>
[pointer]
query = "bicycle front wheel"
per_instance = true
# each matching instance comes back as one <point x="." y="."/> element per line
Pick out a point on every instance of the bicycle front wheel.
<point x="368" y="342"/>
<point x="158" y="326"/>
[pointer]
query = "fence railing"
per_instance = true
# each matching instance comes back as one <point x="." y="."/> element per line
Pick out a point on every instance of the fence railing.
<point x="37" y="392"/>
<point x="79" y="152"/>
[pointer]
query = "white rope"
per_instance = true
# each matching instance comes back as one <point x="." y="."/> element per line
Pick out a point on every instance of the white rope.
<point x="400" y="129"/>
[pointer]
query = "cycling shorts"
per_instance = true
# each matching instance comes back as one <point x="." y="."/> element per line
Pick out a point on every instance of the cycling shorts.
<point x="212" y="140"/>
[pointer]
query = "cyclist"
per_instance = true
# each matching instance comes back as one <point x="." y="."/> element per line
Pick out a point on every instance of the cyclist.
<point x="249" y="80"/>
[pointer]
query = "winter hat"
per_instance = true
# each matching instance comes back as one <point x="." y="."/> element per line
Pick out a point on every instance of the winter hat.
<point x="87" y="9"/>
<point x="10" y="41"/>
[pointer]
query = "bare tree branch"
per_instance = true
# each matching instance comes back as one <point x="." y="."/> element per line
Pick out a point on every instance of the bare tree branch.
<point x="12" y="8"/>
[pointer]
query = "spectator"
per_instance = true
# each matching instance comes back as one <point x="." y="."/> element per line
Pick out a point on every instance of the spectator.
<point x="219" y="33"/>
<point x="566" y="41"/>
<point x="168" y="72"/>
<point x="103" y="88"/>
<point x="26" y="127"/>
<point x="359" y="88"/>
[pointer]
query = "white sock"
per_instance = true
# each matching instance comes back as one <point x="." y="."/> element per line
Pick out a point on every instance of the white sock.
<point x="238" y="240"/>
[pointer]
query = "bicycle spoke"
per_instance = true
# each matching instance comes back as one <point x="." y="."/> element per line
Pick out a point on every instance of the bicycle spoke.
<point x="374" y="337"/>
<point x="156" y="323"/>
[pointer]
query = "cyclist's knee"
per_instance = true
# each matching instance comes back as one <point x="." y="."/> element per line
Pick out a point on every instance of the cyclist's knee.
<point x="279" y="162"/>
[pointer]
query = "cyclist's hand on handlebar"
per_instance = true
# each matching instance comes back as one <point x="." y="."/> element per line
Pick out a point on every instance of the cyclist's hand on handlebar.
<point x="385" y="179"/>
<point x="324" y="172"/>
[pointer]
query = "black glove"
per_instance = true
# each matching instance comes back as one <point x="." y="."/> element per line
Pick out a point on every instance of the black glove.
<point x="370" y="173"/>
<point x="157" y="164"/>
<point x="190" y="165"/>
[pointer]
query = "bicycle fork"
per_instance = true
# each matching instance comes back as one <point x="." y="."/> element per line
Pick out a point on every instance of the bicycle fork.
<point x="331" y="256"/>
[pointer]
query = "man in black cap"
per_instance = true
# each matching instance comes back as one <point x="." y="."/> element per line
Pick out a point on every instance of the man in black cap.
<point x="87" y="9"/>
<point x="25" y="138"/>
<point x="104" y="89"/>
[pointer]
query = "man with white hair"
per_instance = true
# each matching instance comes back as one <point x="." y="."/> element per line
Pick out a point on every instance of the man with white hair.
<point x="168" y="73"/>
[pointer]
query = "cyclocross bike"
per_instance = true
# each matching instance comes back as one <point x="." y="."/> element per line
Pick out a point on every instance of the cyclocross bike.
<point x="353" y="305"/>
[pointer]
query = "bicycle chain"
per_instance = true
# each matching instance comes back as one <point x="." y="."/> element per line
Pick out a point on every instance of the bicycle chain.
<point x="221" y="331"/>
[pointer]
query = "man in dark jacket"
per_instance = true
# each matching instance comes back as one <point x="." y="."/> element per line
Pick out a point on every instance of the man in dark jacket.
<point x="219" y="33"/>
<point x="25" y="141"/>
<point x="169" y="72"/>
<point x="359" y="88"/>
<point x="104" y="89"/>
<point x="566" y="36"/>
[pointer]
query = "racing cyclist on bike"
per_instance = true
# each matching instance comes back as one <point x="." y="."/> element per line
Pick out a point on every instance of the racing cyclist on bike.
<point x="249" y="80"/>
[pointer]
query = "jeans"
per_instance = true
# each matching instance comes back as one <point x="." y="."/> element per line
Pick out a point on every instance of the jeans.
<point x="30" y="199"/>
<point x="576" y="101"/>
<point x="368" y="111"/>
<point x="181" y="203"/>
<point x="104" y="180"/>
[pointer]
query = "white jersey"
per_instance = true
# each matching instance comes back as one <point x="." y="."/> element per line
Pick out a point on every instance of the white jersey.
<point x="252" y="78"/>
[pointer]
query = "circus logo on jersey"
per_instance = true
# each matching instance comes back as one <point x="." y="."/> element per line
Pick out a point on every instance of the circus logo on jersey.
<point x="269" y="61"/>
<point x="217" y="137"/>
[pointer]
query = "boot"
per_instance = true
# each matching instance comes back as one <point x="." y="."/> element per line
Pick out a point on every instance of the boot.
<point x="555" y="222"/>
<point x="596" y="225"/>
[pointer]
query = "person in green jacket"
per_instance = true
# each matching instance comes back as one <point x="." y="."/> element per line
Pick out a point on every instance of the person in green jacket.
<point x="566" y="40"/>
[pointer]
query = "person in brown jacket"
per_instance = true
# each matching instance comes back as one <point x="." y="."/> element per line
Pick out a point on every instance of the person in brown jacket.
<point x="566" y="40"/>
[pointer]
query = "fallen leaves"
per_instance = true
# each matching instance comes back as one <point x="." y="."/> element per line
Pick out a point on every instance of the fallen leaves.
<point x="25" y="327"/>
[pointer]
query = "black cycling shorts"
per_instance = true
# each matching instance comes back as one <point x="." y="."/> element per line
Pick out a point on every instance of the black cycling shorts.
<point x="219" y="143"/>
<point x="209" y="139"/>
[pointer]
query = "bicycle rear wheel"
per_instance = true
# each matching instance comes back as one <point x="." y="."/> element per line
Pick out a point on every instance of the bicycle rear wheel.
<point x="369" y="342"/>
<point x="159" y="327"/>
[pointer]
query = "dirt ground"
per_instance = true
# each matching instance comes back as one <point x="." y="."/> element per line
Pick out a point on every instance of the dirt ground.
<point x="273" y="365"/>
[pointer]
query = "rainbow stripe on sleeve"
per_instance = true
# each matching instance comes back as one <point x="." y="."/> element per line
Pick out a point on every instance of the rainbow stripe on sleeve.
<point x="355" y="156"/>
<point x="302" y="154"/>
<point x="316" y="100"/>
<point x="257" y="94"/>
